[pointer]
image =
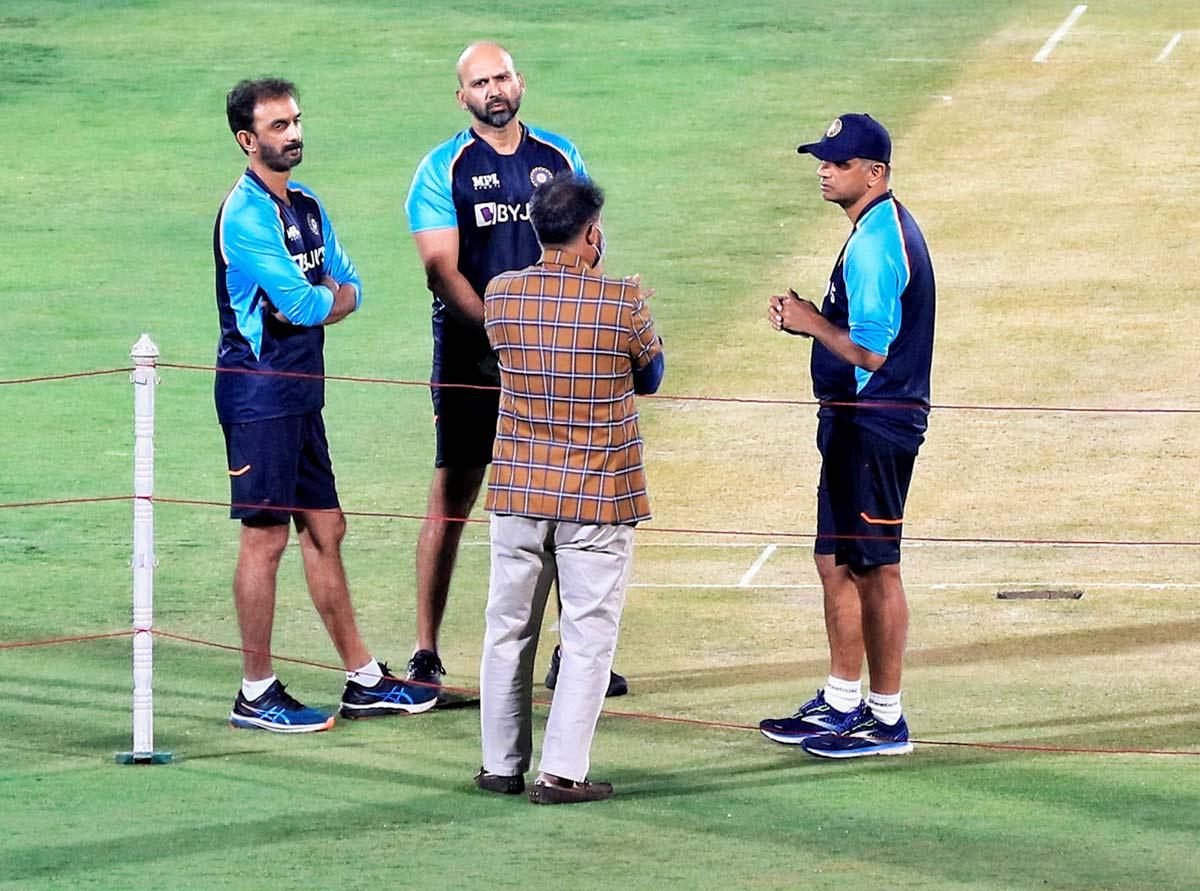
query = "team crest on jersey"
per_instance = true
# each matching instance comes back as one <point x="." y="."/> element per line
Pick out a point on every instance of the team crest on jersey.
<point x="293" y="233"/>
<point x="539" y="176"/>
<point x="487" y="181"/>
<point x="834" y="129"/>
<point x="313" y="225"/>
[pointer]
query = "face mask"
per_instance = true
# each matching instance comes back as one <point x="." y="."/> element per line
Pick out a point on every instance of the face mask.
<point x="599" y="246"/>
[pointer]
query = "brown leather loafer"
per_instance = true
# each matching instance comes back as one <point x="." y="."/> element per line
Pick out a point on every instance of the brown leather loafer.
<point x="569" y="793"/>
<point x="494" y="782"/>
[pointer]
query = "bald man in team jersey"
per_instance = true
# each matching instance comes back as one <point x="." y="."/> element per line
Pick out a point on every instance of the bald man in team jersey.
<point x="468" y="211"/>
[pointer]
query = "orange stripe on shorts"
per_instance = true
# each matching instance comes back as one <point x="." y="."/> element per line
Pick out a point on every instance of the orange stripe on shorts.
<point x="875" y="522"/>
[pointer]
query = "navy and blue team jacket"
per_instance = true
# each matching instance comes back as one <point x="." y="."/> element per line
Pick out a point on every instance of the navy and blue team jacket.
<point x="271" y="256"/>
<point x="882" y="290"/>
<point x="466" y="184"/>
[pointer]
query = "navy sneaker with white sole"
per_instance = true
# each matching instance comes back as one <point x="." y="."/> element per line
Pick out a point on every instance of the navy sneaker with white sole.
<point x="617" y="685"/>
<point x="278" y="712"/>
<point x="390" y="696"/>
<point x="425" y="668"/>
<point x="814" y="717"/>
<point x="861" y="737"/>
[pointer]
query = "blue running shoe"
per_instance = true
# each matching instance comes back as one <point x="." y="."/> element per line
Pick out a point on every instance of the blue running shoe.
<point x="863" y="735"/>
<point x="278" y="712"/>
<point x="391" y="696"/>
<point x="815" y="716"/>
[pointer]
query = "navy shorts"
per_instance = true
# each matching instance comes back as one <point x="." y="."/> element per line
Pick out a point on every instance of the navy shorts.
<point x="465" y="423"/>
<point x="283" y="462"/>
<point x="860" y="499"/>
<point x="464" y="416"/>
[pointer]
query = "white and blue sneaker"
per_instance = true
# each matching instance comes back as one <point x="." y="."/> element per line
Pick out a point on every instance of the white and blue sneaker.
<point x="390" y="696"/>
<point x="278" y="712"/>
<point x="815" y="716"/>
<point x="861" y="735"/>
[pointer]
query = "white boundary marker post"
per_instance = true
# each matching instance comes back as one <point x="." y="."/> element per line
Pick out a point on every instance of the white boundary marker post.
<point x="145" y="379"/>
<point x="1052" y="41"/>
<point x="1169" y="48"/>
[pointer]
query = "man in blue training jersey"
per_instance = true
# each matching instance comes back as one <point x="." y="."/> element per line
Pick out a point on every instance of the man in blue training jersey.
<point x="871" y="355"/>
<point x="281" y="276"/>
<point x="468" y="211"/>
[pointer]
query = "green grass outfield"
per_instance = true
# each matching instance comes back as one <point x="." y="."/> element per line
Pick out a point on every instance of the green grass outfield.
<point x="1057" y="202"/>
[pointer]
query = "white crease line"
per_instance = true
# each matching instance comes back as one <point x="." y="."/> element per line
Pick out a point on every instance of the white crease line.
<point x="944" y="586"/>
<point x="1052" y="41"/>
<point x="757" y="565"/>
<point x="1171" y="44"/>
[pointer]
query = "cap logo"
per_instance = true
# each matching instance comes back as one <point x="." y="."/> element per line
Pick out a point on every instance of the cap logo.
<point x="834" y="129"/>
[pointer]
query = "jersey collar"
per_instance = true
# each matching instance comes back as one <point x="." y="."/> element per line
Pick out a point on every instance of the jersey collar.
<point x="479" y="139"/>
<point x="886" y="196"/>
<point x="254" y="178"/>
<point x="562" y="260"/>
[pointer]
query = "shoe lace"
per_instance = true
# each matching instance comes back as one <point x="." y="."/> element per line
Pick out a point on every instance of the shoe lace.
<point x="426" y="662"/>
<point x="859" y="715"/>
<point x="285" y="699"/>
<point x="813" y="703"/>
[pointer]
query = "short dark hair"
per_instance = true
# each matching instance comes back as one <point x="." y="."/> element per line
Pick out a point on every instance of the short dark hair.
<point x="561" y="208"/>
<point x="240" y="101"/>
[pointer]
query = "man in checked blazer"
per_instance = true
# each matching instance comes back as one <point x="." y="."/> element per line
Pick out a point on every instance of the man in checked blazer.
<point x="566" y="488"/>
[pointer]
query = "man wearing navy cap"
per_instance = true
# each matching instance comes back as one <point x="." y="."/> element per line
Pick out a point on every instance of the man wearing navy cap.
<point x="871" y="355"/>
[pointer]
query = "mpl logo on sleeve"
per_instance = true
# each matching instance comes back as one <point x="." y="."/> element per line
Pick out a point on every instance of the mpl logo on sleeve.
<point x="487" y="181"/>
<point x="293" y="233"/>
<point x="491" y="213"/>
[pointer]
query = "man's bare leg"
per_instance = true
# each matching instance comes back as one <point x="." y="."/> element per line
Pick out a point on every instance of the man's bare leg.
<point x="452" y="494"/>
<point x="254" y="595"/>
<point x="321" y="534"/>
<point x="885" y="625"/>
<point x="843" y="618"/>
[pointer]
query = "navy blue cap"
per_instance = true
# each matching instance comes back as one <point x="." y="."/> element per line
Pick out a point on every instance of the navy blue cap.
<point x="852" y="136"/>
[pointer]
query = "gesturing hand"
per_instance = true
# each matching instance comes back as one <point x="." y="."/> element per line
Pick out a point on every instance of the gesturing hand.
<point x="636" y="281"/>
<point x="788" y="312"/>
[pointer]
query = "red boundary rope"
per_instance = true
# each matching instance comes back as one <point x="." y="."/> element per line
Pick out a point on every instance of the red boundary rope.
<point x="63" y="377"/>
<point x="643" y="716"/>
<point x="64" y="640"/>
<point x="53" y="501"/>
<point x="677" y="397"/>
<point x="667" y="530"/>
<point x="743" y="400"/>
<point x="725" y="532"/>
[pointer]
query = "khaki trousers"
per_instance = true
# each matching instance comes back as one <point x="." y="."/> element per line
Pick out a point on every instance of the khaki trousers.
<point x="591" y="564"/>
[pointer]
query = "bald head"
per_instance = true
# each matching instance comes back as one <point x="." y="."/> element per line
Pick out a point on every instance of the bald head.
<point x="489" y="86"/>
<point x="483" y="54"/>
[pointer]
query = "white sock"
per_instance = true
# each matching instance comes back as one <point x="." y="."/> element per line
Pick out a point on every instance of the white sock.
<point x="842" y="694"/>
<point x="251" y="690"/>
<point x="885" y="707"/>
<point x="367" y="676"/>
